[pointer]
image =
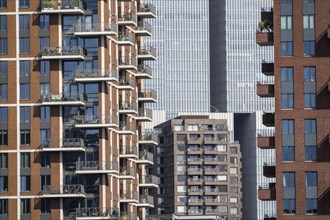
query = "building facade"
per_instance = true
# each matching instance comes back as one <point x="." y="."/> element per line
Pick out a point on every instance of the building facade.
<point x="199" y="169"/>
<point x="72" y="109"/>
<point x="301" y="119"/>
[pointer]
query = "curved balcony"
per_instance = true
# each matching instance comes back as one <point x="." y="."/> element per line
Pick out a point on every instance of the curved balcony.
<point x="99" y="29"/>
<point x="65" y="145"/>
<point x="144" y="72"/>
<point x="62" y="7"/>
<point x="146" y="157"/>
<point x="127" y="108"/>
<point x="61" y="99"/>
<point x="129" y="197"/>
<point x="148" y="181"/>
<point x="94" y="121"/>
<point x="63" y="53"/>
<point x="144" y="114"/>
<point x="128" y="152"/>
<point x="66" y="191"/>
<point x="146" y="201"/>
<point x="96" y="167"/>
<point x="96" y="75"/>
<point x="147" y="53"/>
<point x="127" y="19"/>
<point x="148" y="138"/>
<point x="146" y="11"/>
<point x="142" y="29"/>
<point x="97" y="213"/>
<point x="127" y="63"/>
<point x="126" y="173"/>
<point x="148" y="95"/>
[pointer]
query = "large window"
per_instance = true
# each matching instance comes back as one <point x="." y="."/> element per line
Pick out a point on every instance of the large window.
<point x="3" y="114"/>
<point x="45" y="113"/>
<point x="286" y="48"/>
<point x="310" y="87"/>
<point x="44" y="159"/>
<point x="3" y="160"/>
<point x="44" y="42"/>
<point x="3" y="22"/>
<point x="44" y="136"/>
<point x="25" y="206"/>
<point x="308" y="21"/>
<point x="309" y="48"/>
<point x="287" y="127"/>
<point x="44" y="68"/>
<point x="44" y="22"/>
<point x="25" y="183"/>
<point x="289" y="203"/>
<point x="24" y="3"/>
<point x="3" y="4"/>
<point x="45" y="206"/>
<point x="288" y="153"/>
<point x="310" y="153"/>
<point x="311" y="192"/>
<point x="3" y="69"/>
<point x="3" y="27"/>
<point x="3" y="203"/>
<point x="287" y="93"/>
<point x="24" y="68"/>
<point x="3" y="137"/>
<point x="24" y="45"/>
<point x="3" y="184"/>
<point x="3" y="46"/>
<point x="286" y="22"/>
<point x="25" y="91"/>
<point x="3" y="91"/>
<point x="310" y="126"/>
<point x="25" y="160"/>
<point x="25" y="114"/>
<point x="44" y="89"/>
<point x="25" y="137"/>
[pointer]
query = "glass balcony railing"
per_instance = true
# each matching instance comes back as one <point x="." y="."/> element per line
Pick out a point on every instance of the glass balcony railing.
<point x="126" y="171"/>
<point x="146" y="199"/>
<point x="149" y="179"/>
<point x="147" y="52"/>
<point x="95" y="120"/>
<point x="59" y="190"/>
<point x="144" y="70"/>
<point x="148" y="136"/>
<point x="145" y="113"/>
<point x="148" y="94"/>
<point x="127" y="150"/>
<point x="96" y="73"/>
<point x="143" y="26"/>
<point x="96" y="165"/>
<point x="62" y="4"/>
<point x="128" y="106"/>
<point x="64" y="143"/>
<point x="62" y="51"/>
<point x="62" y="97"/>
<point x="147" y="8"/>
<point x="127" y="18"/>
<point x="95" y="27"/>
<point x="126" y="61"/>
<point x="124" y="195"/>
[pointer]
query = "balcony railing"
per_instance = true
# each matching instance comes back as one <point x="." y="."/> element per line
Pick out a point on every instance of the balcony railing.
<point x="148" y="136"/>
<point x="146" y="9"/>
<point x="149" y="179"/>
<point x="127" y="18"/>
<point x="195" y="211"/>
<point x="146" y="199"/>
<point x="64" y="143"/>
<point x="96" y="73"/>
<point x="145" y="113"/>
<point x="128" y="106"/>
<point x="62" y="5"/>
<point x="60" y="97"/>
<point x="145" y="155"/>
<point x="127" y="150"/>
<point x="147" y="52"/>
<point x="124" y="82"/>
<point x="92" y="28"/>
<point x="97" y="212"/>
<point x="148" y="94"/>
<point x="126" y="215"/>
<point x="95" y="119"/>
<point x="63" y="51"/>
<point x="195" y="170"/>
<point x="144" y="71"/>
<point x="67" y="189"/>
<point x="143" y="26"/>
<point x="123" y="37"/>
<point x="126" y="61"/>
<point x="96" y="165"/>
<point x="129" y="195"/>
<point x="125" y="126"/>
<point x="127" y="171"/>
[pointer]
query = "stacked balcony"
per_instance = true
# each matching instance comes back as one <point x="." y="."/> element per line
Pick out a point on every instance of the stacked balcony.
<point x="144" y="114"/>
<point x="128" y="152"/>
<point x="148" y="138"/>
<point x="142" y="29"/>
<point x="146" y="11"/>
<point x="126" y="84"/>
<point x="65" y="145"/>
<point x="266" y="141"/>
<point x="267" y="68"/>
<point x="125" y="39"/>
<point x="63" y="7"/>
<point x="148" y="181"/>
<point x="127" y="19"/>
<point x="147" y="96"/>
<point x="63" y="53"/>
<point x="126" y="172"/>
<point x="265" y="90"/>
<point x="96" y="167"/>
<point x="61" y="99"/>
<point x="146" y="157"/>
<point x="144" y="72"/>
<point x="67" y="191"/>
<point x="129" y="197"/>
<point x="146" y="201"/>
<point x="95" y="121"/>
<point x="195" y="201"/>
<point x="268" y="119"/>
<point x="98" y="29"/>
<point x="96" y="213"/>
<point x="267" y="192"/>
<point x="269" y="170"/>
<point x="96" y="75"/>
<point x="126" y="107"/>
<point x="126" y="128"/>
<point x="147" y="53"/>
<point x="127" y="63"/>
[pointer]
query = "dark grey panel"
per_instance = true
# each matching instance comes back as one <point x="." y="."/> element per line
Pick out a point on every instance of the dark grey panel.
<point x="310" y="139"/>
<point x="25" y="125"/>
<point x="44" y="33"/>
<point x="288" y="140"/>
<point x="289" y="192"/>
<point x="286" y="35"/>
<point x="309" y="87"/>
<point x="3" y="34"/>
<point x="45" y="216"/>
<point x="4" y="126"/>
<point x="25" y="216"/>
<point x="24" y="79"/>
<point x="286" y="9"/>
<point x="287" y="87"/>
<point x="309" y="34"/>
<point x="44" y="170"/>
<point x="4" y="171"/>
<point x="25" y="171"/>
<point x="3" y="217"/>
<point x="3" y="79"/>
<point x="44" y="79"/>
<point x="44" y="125"/>
<point x="308" y="8"/>
<point x="25" y="33"/>
<point x="311" y="192"/>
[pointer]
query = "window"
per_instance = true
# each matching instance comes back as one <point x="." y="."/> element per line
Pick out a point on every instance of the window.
<point x="309" y="96"/>
<point x="309" y="100"/>
<point x="192" y="127"/>
<point x="25" y="183"/>
<point x="233" y="170"/>
<point x="287" y="97"/>
<point x="289" y="206"/>
<point x="44" y="159"/>
<point x="3" y="69"/>
<point x="25" y="206"/>
<point x="24" y="3"/>
<point x="3" y="184"/>
<point x="311" y="206"/>
<point x="311" y="197"/>
<point x="44" y="89"/>
<point x="44" y="22"/>
<point x="222" y="147"/>
<point x="45" y="205"/>
<point x="3" y="114"/>
<point x="25" y="114"/>
<point x="233" y="160"/>
<point x="233" y="211"/>
<point x="3" y="203"/>
<point x="287" y="74"/>
<point x="289" y="179"/>
<point x="25" y="137"/>
<point x="233" y="150"/>
<point x="44" y="68"/>
<point x="310" y="126"/>
<point x="24" y="45"/>
<point x="3" y="4"/>
<point x="25" y="91"/>
<point x="3" y="91"/>
<point x="3" y="161"/>
<point x="3" y="46"/>
<point x="178" y="128"/>
<point x="44" y="135"/>
<point x="3" y="22"/>
<point x="24" y="22"/>
<point x="308" y="21"/>
<point x="45" y="113"/>
<point x="3" y="138"/>
<point x="310" y="153"/>
<point x="287" y="127"/>
<point x="25" y="160"/>
<point x="287" y="100"/>
<point x="24" y="68"/>
<point x="288" y="153"/>
<point x="44" y="42"/>
<point x="286" y="22"/>
<point x="309" y="48"/>
<point x="286" y="48"/>
<point x="311" y="178"/>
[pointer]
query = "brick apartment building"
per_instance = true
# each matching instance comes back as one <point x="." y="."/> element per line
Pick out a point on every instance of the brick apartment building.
<point x="72" y="108"/>
<point x="301" y="40"/>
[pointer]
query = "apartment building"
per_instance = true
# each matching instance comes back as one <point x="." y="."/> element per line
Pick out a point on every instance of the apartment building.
<point x="301" y="120"/>
<point x="72" y="109"/>
<point x="199" y="169"/>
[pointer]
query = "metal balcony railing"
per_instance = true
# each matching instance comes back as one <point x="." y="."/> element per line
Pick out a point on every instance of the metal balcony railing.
<point x="145" y="112"/>
<point x="125" y="126"/>
<point x="126" y="37"/>
<point x="148" y="136"/>
<point x="195" y="179"/>
<point x="127" y="150"/>
<point x="126" y="82"/>
<point x="195" y="211"/>
<point x="128" y="106"/>
<point x="147" y="51"/>
<point x="145" y="69"/>
<point x="146" y="199"/>
<point x="97" y="212"/>
<point x="66" y="189"/>
<point x="96" y="165"/>
<point x="60" y="97"/>
<point x="145" y="155"/>
<point x="195" y="159"/>
<point x="63" y="51"/>
<point x="127" y="61"/>
<point x="148" y="93"/>
<point x="211" y="211"/>
<point x="62" y="4"/>
<point x="149" y="179"/>
<point x="195" y="170"/>
<point x="95" y="119"/>
<point x="143" y="26"/>
<point x="65" y="143"/>
<point x="95" y="27"/>
<point x="127" y="171"/>
<point x="211" y="189"/>
<point x="147" y="8"/>
<point x="96" y="73"/>
<point x="195" y="189"/>
<point x="129" y="195"/>
<point x="127" y="17"/>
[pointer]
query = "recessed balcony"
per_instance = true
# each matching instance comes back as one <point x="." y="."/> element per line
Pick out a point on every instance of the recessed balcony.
<point x="194" y="160"/>
<point x="96" y="167"/>
<point x="96" y="213"/>
<point x="92" y="30"/>
<point x="269" y="170"/>
<point x="95" y="121"/>
<point x="65" y="145"/>
<point x="126" y="172"/>
<point x="267" y="192"/>
<point x="60" y="99"/>
<point x="142" y="29"/>
<point x="126" y="128"/>
<point x="148" y="181"/>
<point x="144" y="114"/>
<point x="211" y="160"/>
<point x="127" y="19"/>
<point x="63" y="53"/>
<point x="266" y="142"/>
<point x="148" y="138"/>
<point x="212" y="201"/>
<point x="128" y="152"/>
<point x="211" y="211"/>
<point x="265" y="38"/>
<point x="267" y="68"/>
<point x="129" y="197"/>
<point x="267" y="14"/>
<point x="146" y="11"/>
<point x="126" y="84"/>
<point x="144" y="72"/>
<point x="96" y="75"/>
<point x="195" y="181"/>
<point x="146" y="201"/>
<point x="146" y="157"/>
<point x="265" y="90"/>
<point x="63" y="7"/>
<point x="211" y="181"/>
<point x="127" y="63"/>
<point x="147" y="53"/>
<point x="211" y="170"/>
<point x="147" y="95"/>
<point x="127" y="107"/>
<point x="268" y="119"/>
<point x="67" y="191"/>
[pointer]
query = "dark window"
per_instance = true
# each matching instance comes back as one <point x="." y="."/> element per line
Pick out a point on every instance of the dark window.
<point x="287" y="100"/>
<point x="25" y="206"/>
<point x="25" y="183"/>
<point x="288" y="153"/>
<point x="44" y="68"/>
<point x="25" y="91"/>
<point x="25" y="160"/>
<point x="287" y="127"/>
<point x="3" y="22"/>
<point x="287" y="74"/>
<point x="310" y="153"/>
<point x="44" y="42"/>
<point x="44" y="22"/>
<point x="289" y="206"/>
<point x="24" y="3"/>
<point x="3" y="4"/>
<point x="44" y="135"/>
<point x="45" y="113"/>
<point x="310" y="126"/>
<point x="3" y="203"/>
<point x="311" y="205"/>
<point x="25" y="137"/>
<point x="311" y="178"/>
<point x="44" y="181"/>
<point x="45" y="205"/>
<point x="24" y="68"/>
<point x="24" y="45"/>
<point x="286" y="48"/>
<point x="3" y="91"/>
<point x="3" y="184"/>
<point x="25" y="114"/>
<point x="309" y="48"/>
<point x="3" y="160"/>
<point x="3" y="138"/>
<point x="3" y="114"/>
<point x="3" y="69"/>
<point x="44" y="159"/>
<point x="44" y="89"/>
<point x="3" y="46"/>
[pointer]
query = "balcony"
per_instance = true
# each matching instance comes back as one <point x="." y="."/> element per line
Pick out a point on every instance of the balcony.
<point x="269" y="170"/>
<point x="67" y="191"/>
<point x="211" y="160"/>
<point x="148" y="181"/>
<point x="146" y="157"/>
<point x="61" y="99"/>
<point x="211" y="211"/>
<point x="96" y="213"/>
<point x="146" y="11"/>
<point x="144" y="115"/>
<point x="96" y="167"/>
<point x="194" y="160"/>
<point x="128" y="152"/>
<point x="92" y="30"/>
<point x="146" y="201"/>
<point x="194" y="150"/>
<point x="268" y="119"/>
<point x="195" y="181"/>
<point x="212" y="201"/>
<point x="126" y="128"/>
<point x="127" y="63"/>
<point x="127" y="19"/>
<point x="195" y="212"/>
<point x="65" y="145"/>
<point x="144" y="72"/>
<point x="127" y="108"/>
<point x="125" y="215"/>
<point x="96" y="75"/>
<point x="126" y="84"/>
<point x="129" y="197"/>
<point x="211" y="170"/>
<point x="62" y="7"/>
<point x="147" y="96"/>
<point x="192" y="171"/>
<point x="148" y="138"/>
<point x="270" y="216"/>
<point x="267" y="192"/>
<point x="211" y="181"/>
<point x="195" y="201"/>
<point x="142" y="29"/>
<point x="63" y="53"/>
<point x="266" y="142"/>
<point x="147" y="53"/>
<point x="211" y="150"/>
<point x="265" y="38"/>
<point x="126" y="172"/>
<point x="212" y="191"/>
<point x="125" y="39"/>
<point x="265" y="90"/>
<point x="267" y="68"/>
<point x="94" y="121"/>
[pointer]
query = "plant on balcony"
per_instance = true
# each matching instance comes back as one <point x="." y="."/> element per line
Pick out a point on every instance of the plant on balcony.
<point x="265" y="25"/>
<point x="48" y="4"/>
